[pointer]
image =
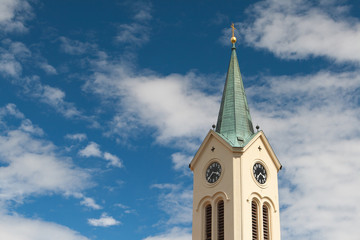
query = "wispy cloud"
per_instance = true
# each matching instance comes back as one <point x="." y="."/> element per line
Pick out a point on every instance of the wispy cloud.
<point x="133" y="33"/>
<point x="176" y="201"/>
<point x="300" y="29"/>
<point x="89" y="202"/>
<point x="12" y="56"/>
<point x="142" y="11"/>
<point x="77" y="136"/>
<point x="113" y="160"/>
<point x="48" y="68"/>
<point x="75" y="47"/>
<point x="14" y="14"/>
<point x="175" y="233"/>
<point x="136" y="33"/>
<point x="164" y="103"/>
<point x="32" y="164"/>
<point x="103" y="221"/>
<point x="127" y="209"/>
<point x="93" y="150"/>
<point x="181" y="162"/>
<point x="52" y="96"/>
<point x="16" y="227"/>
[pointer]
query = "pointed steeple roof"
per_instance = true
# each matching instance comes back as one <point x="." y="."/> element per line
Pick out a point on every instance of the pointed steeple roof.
<point x="234" y="121"/>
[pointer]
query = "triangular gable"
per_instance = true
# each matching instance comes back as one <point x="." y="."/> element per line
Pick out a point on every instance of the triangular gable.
<point x="268" y="147"/>
<point x="210" y="134"/>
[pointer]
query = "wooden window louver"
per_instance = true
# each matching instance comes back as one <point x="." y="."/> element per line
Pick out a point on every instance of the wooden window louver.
<point x="220" y="215"/>
<point x="266" y="222"/>
<point x="208" y="211"/>
<point x="254" y="220"/>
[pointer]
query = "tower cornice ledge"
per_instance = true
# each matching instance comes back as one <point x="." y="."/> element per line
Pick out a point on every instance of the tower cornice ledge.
<point x="239" y="150"/>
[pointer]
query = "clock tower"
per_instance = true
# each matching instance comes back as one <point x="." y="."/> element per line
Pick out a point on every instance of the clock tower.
<point x="235" y="173"/>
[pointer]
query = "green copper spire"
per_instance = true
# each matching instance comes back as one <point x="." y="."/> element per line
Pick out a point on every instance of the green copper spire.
<point x="234" y="120"/>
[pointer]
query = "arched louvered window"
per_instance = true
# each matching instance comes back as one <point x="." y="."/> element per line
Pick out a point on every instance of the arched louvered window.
<point x="266" y="222"/>
<point x="220" y="215"/>
<point x="254" y="220"/>
<point x="208" y="211"/>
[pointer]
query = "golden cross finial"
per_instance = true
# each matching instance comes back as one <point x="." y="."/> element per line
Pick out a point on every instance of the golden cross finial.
<point x="233" y="38"/>
<point x="233" y="29"/>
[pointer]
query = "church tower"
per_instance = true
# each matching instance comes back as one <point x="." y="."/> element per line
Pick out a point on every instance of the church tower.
<point x="235" y="173"/>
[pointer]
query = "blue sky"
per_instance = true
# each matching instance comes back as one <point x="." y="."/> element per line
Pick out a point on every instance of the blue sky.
<point x="104" y="103"/>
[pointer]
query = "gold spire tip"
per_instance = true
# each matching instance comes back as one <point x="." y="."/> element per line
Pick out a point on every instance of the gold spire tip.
<point x="233" y="38"/>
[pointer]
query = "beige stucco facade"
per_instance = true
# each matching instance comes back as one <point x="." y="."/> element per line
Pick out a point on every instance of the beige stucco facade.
<point x="236" y="186"/>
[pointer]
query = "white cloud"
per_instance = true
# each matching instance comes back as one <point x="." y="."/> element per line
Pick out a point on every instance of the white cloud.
<point x="75" y="47"/>
<point x="143" y="11"/>
<point x="311" y="122"/>
<point x="133" y="33"/>
<point x="175" y="233"/>
<point x="122" y="206"/>
<point x="17" y="48"/>
<point x="114" y="160"/>
<point x="48" y="68"/>
<point x="173" y="105"/>
<point x="127" y="209"/>
<point x="77" y="136"/>
<point x="89" y="202"/>
<point x="28" y="127"/>
<point x="9" y="66"/>
<point x="91" y="150"/>
<point x="20" y="228"/>
<point x="103" y="221"/>
<point x="10" y="110"/>
<point x="51" y="96"/>
<point x="136" y="33"/>
<point x="299" y="29"/>
<point x="12" y="54"/>
<point x="13" y="15"/>
<point x="181" y="162"/>
<point x="31" y="165"/>
<point x="176" y="201"/>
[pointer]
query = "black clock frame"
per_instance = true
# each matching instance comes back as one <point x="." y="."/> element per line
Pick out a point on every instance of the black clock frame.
<point x="260" y="173"/>
<point x="213" y="172"/>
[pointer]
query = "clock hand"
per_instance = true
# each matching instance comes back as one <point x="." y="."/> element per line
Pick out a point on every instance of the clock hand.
<point x="210" y="176"/>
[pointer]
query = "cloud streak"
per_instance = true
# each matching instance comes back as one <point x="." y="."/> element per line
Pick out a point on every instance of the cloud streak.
<point x="14" y="14"/>
<point x="175" y="233"/>
<point x="176" y="202"/>
<point x="93" y="150"/>
<point x="300" y="29"/>
<point x="103" y="221"/>
<point x="12" y="57"/>
<point x="136" y="33"/>
<point x="173" y="105"/>
<point x="75" y="47"/>
<point x="19" y="228"/>
<point x="31" y="164"/>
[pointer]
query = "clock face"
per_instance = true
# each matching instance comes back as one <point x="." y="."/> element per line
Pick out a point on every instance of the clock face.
<point x="259" y="173"/>
<point x="213" y="172"/>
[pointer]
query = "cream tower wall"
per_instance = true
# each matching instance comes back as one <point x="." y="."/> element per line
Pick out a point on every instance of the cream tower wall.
<point x="236" y="186"/>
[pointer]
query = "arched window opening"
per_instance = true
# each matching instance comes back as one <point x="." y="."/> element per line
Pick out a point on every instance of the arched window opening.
<point x="254" y="220"/>
<point x="208" y="211"/>
<point x="220" y="216"/>
<point x="266" y="222"/>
